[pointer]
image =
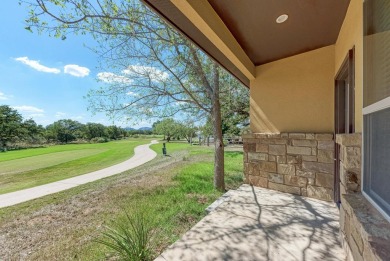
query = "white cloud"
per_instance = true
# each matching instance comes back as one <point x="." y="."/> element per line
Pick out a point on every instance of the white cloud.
<point x="109" y="77"/>
<point x="36" y="65"/>
<point x="77" y="117"/>
<point x="28" y="109"/>
<point x="76" y="70"/>
<point x="60" y="114"/>
<point x="4" y="97"/>
<point x="37" y="115"/>
<point x="132" y="94"/>
<point x="147" y="71"/>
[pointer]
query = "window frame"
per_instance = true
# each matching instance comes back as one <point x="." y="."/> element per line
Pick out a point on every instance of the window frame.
<point x="367" y="110"/>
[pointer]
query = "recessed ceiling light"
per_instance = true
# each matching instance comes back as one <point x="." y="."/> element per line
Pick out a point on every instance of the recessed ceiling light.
<point x="282" y="18"/>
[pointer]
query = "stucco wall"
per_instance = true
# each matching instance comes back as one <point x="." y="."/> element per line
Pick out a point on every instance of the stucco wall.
<point x="294" y="94"/>
<point x="351" y="34"/>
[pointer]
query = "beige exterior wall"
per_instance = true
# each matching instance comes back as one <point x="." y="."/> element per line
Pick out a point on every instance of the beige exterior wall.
<point x="351" y="34"/>
<point x="294" y="94"/>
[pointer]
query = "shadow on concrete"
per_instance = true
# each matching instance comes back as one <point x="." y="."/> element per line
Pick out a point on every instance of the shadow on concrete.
<point x="261" y="224"/>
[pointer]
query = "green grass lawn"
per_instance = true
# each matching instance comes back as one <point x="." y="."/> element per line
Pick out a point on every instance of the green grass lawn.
<point x="174" y="192"/>
<point x="32" y="167"/>
<point x="177" y="207"/>
<point x="175" y="146"/>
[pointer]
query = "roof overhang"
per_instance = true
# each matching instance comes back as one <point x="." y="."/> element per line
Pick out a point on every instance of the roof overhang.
<point x="243" y="34"/>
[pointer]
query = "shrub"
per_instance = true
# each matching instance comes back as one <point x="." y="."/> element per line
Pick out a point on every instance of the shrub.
<point x="99" y="140"/>
<point x="131" y="239"/>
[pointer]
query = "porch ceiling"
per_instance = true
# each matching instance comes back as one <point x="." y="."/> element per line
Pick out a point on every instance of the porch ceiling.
<point x="243" y="34"/>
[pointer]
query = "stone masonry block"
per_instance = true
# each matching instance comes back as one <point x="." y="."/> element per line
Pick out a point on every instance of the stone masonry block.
<point x="325" y="156"/>
<point x="286" y="169"/>
<point x="352" y="157"/>
<point x="249" y="147"/>
<point x="343" y="216"/>
<point x="325" y="136"/>
<point x="297" y="135"/>
<point x="343" y="190"/>
<point x="264" y="174"/>
<point x="281" y="159"/>
<point x="320" y="193"/>
<point x="253" y="156"/>
<point x="310" y="136"/>
<point x="309" y="158"/>
<point x="354" y="139"/>
<point x="295" y="181"/>
<point x="326" y="144"/>
<point x="273" y="141"/>
<point x="260" y="136"/>
<point x="284" y="188"/>
<point x="355" y="250"/>
<point x="358" y="238"/>
<point x="318" y="167"/>
<point x="298" y="150"/>
<point x="271" y="158"/>
<point x="306" y="174"/>
<point x="277" y="149"/>
<point x="258" y="181"/>
<point x="324" y="180"/>
<point x="293" y="159"/>
<point x="267" y="166"/>
<point x="261" y="148"/>
<point x="275" y="178"/>
<point x="304" y="143"/>
<point x="253" y="169"/>
<point x="284" y="135"/>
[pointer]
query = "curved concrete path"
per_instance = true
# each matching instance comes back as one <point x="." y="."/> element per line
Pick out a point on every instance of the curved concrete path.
<point x="142" y="154"/>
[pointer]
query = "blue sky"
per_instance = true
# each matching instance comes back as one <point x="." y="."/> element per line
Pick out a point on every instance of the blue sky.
<point x="43" y="77"/>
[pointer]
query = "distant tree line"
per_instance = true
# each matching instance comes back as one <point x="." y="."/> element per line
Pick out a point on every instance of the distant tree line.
<point x="15" y="130"/>
<point x="172" y="129"/>
<point x="175" y="130"/>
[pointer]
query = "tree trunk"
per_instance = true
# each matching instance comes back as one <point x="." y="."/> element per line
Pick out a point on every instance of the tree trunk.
<point x="219" y="161"/>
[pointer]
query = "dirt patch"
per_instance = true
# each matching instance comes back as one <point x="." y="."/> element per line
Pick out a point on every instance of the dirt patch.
<point x="58" y="230"/>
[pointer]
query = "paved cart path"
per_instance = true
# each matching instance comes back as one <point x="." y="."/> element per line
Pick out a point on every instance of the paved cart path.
<point x="142" y="154"/>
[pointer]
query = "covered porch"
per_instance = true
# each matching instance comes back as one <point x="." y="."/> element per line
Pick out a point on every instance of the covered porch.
<point x="303" y="62"/>
<point x="259" y="224"/>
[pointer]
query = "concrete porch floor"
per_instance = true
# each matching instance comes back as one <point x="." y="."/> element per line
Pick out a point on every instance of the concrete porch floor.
<point x="260" y="224"/>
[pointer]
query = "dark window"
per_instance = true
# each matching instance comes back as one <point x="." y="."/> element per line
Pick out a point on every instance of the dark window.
<point x="376" y="176"/>
<point x="376" y="181"/>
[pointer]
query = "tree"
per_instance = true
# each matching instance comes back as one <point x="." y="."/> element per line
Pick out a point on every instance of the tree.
<point x="34" y="132"/>
<point x="167" y="127"/>
<point x="187" y="130"/>
<point x="236" y="116"/>
<point x="11" y="126"/>
<point x="94" y="130"/>
<point x="113" y="132"/>
<point x="65" y="131"/>
<point x="153" y="69"/>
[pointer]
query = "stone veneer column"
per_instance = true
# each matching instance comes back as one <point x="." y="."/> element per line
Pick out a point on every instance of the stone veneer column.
<point x="297" y="163"/>
<point x="350" y="162"/>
